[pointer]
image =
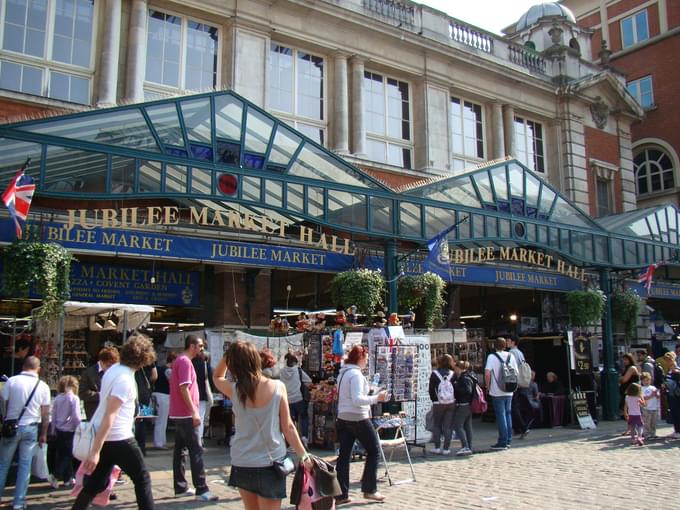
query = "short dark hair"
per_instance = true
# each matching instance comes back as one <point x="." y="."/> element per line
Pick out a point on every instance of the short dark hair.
<point x="31" y="363"/>
<point x="22" y="344"/>
<point x="137" y="352"/>
<point x="291" y="359"/>
<point x="191" y="340"/>
<point x="514" y="339"/>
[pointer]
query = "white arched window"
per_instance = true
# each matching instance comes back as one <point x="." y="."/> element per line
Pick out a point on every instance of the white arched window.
<point x="653" y="170"/>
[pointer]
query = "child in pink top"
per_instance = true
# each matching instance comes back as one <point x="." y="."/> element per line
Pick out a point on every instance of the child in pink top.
<point x="632" y="412"/>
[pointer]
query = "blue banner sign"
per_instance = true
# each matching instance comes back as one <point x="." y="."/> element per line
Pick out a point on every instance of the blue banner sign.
<point x="658" y="290"/>
<point x="123" y="284"/>
<point x="130" y="242"/>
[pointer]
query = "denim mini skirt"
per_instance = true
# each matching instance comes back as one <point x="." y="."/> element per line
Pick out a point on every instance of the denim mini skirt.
<point x="263" y="481"/>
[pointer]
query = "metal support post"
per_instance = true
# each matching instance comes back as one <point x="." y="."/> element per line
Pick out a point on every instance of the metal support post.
<point x="609" y="382"/>
<point x="391" y="275"/>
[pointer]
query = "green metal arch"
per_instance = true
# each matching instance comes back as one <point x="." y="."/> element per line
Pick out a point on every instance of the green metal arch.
<point x="178" y="148"/>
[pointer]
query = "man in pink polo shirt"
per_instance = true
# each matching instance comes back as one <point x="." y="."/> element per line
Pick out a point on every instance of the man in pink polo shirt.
<point x="184" y="411"/>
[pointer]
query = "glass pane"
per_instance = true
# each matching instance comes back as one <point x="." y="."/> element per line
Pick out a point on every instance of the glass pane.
<point x="484" y="186"/>
<point x="601" y="249"/>
<point x="197" y="119"/>
<point x="477" y="226"/>
<point x="310" y="86"/>
<point x="491" y="227"/>
<point x="437" y="219"/>
<point x="201" y="56"/>
<point x="504" y="232"/>
<point x="258" y="131"/>
<point x="166" y="123"/>
<point x="72" y="170"/>
<point x="463" y="229"/>
<point x="176" y="178"/>
<point x="251" y="189"/>
<point x="581" y="245"/>
<point x="295" y="197"/>
<point x="547" y="199"/>
<point x="59" y="86"/>
<point x="163" y="48"/>
<point x="122" y="175"/>
<point x="281" y="78"/>
<point x="409" y="219"/>
<point x="201" y="181"/>
<point x="347" y="209"/>
<point x="532" y="187"/>
<point x="13" y="155"/>
<point x="617" y="251"/>
<point x="150" y="176"/>
<point x="273" y="193"/>
<point x="381" y="214"/>
<point x="567" y="213"/>
<point x="629" y="252"/>
<point x="228" y="115"/>
<point x="315" y="202"/>
<point x="314" y="163"/>
<point x="500" y="182"/>
<point x="285" y="144"/>
<point x="516" y="174"/>
<point x="126" y="128"/>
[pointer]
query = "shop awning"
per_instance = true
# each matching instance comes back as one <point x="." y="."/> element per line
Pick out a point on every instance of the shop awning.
<point x="104" y="316"/>
<point x="220" y="151"/>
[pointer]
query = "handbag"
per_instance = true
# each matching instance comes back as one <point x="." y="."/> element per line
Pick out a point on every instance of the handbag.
<point x="10" y="427"/>
<point x="83" y="437"/>
<point x="306" y="396"/>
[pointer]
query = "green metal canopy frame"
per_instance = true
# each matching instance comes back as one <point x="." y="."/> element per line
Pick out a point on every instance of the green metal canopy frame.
<point x="219" y="150"/>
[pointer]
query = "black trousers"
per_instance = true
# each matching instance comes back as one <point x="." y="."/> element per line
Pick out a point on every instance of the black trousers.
<point x="674" y="406"/>
<point x="518" y="421"/>
<point x="64" y="461"/>
<point x="127" y="455"/>
<point x="363" y="431"/>
<point x="186" y="438"/>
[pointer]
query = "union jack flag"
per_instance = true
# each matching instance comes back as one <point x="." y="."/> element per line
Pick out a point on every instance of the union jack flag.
<point x="18" y="195"/>
<point x="646" y="277"/>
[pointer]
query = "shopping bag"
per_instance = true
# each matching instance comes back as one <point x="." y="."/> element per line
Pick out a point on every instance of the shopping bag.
<point x="83" y="439"/>
<point x="39" y="462"/>
<point x="102" y="498"/>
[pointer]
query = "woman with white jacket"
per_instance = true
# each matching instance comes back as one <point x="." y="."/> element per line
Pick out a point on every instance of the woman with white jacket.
<point x="354" y="423"/>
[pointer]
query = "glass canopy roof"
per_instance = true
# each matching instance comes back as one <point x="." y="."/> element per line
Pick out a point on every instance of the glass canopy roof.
<point x="220" y="151"/>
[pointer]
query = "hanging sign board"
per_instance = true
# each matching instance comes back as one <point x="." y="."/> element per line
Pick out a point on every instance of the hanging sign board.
<point x="459" y="336"/>
<point x="583" y="358"/>
<point x="580" y="401"/>
<point x="352" y="338"/>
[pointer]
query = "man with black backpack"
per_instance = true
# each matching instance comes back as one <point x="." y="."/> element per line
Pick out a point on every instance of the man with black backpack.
<point x="500" y="378"/>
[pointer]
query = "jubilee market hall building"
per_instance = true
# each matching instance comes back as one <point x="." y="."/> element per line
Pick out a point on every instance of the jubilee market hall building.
<point x="336" y="135"/>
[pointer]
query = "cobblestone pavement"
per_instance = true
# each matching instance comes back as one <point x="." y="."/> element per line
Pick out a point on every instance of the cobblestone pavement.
<point x="560" y="468"/>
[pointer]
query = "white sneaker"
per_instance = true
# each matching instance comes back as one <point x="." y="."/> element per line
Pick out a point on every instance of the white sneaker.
<point x="186" y="493"/>
<point x="446" y="452"/>
<point x="436" y="451"/>
<point x="675" y="435"/>
<point x="461" y="452"/>
<point x="54" y="483"/>
<point x="207" y="496"/>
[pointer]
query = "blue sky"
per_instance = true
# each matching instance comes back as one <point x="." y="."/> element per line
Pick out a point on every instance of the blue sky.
<point x="491" y="15"/>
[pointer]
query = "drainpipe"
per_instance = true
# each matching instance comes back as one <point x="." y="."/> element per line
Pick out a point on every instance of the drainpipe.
<point x="610" y="377"/>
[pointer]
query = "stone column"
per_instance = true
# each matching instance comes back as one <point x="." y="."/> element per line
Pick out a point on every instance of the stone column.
<point x="509" y="130"/>
<point x="340" y="105"/>
<point x="136" y="52"/>
<point x="358" y="129"/>
<point x="498" y="141"/>
<point x="108" y="77"/>
<point x="663" y="16"/>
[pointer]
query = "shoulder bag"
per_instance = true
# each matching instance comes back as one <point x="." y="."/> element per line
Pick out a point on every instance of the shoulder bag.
<point x="83" y="437"/>
<point x="10" y="427"/>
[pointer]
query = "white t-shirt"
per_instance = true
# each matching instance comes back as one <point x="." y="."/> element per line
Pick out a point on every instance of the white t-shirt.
<point x="119" y="382"/>
<point x="651" y="402"/>
<point x="494" y="364"/>
<point x="17" y="389"/>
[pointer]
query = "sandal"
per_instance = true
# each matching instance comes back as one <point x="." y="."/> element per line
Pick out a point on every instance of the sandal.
<point x="375" y="496"/>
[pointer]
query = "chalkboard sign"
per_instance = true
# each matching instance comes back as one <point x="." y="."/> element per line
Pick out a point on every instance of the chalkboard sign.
<point x="583" y="359"/>
<point x="580" y="401"/>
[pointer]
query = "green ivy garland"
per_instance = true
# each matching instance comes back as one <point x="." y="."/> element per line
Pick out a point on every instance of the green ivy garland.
<point x="625" y="309"/>
<point x="427" y="290"/>
<point x="586" y="307"/>
<point x="47" y="266"/>
<point x="362" y="288"/>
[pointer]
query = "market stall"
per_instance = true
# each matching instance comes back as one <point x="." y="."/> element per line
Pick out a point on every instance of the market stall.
<point x="66" y="345"/>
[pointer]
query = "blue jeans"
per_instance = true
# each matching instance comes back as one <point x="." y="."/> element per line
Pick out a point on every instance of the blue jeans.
<point x="26" y="440"/>
<point x="502" y="408"/>
<point x="363" y="431"/>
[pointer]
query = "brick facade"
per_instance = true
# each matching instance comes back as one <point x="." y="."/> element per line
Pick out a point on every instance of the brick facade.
<point x="603" y="147"/>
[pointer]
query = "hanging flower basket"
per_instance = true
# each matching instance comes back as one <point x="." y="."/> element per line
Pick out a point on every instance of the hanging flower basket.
<point x="362" y="288"/>
<point x="427" y="290"/>
<point x="45" y="266"/>
<point x="586" y="307"/>
<point x="625" y="309"/>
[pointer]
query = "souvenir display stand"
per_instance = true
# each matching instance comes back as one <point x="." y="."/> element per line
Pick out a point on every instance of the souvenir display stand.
<point x="395" y="424"/>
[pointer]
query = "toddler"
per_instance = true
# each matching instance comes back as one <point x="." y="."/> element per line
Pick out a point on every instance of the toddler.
<point x="65" y="420"/>
<point x="652" y="410"/>
<point x="631" y="411"/>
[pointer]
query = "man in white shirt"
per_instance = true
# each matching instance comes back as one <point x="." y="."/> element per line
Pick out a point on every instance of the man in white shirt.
<point x="501" y="400"/>
<point x="26" y="399"/>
